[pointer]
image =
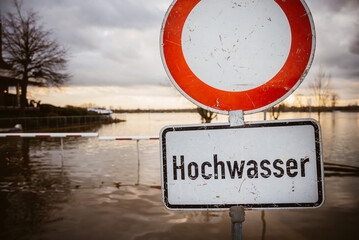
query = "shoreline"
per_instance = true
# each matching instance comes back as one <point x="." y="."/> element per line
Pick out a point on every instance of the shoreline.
<point x="55" y="122"/>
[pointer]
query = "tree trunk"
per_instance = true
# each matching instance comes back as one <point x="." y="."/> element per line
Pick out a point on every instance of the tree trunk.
<point x="23" y="99"/>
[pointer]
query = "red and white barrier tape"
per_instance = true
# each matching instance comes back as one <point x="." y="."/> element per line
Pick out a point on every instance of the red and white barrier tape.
<point x="70" y="135"/>
<point x="47" y="135"/>
<point x="130" y="138"/>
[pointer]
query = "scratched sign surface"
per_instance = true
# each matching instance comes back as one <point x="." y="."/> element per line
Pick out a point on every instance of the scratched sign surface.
<point x="237" y="55"/>
<point x="270" y="164"/>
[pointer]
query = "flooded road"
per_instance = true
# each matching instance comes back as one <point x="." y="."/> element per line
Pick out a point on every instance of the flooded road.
<point x="106" y="190"/>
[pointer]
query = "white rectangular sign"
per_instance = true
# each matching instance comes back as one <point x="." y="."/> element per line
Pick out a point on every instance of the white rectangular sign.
<point x="269" y="164"/>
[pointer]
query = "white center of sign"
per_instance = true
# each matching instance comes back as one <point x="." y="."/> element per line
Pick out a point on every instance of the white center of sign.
<point x="231" y="54"/>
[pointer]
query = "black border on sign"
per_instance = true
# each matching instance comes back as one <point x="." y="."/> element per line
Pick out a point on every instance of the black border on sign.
<point x="282" y="123"/>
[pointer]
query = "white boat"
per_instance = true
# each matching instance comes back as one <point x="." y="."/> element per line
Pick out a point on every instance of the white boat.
<point x="16" y="128"/>
<point x="100" y="111"/>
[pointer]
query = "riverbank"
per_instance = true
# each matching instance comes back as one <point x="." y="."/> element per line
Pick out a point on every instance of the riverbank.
<point x="48" y="116"/>
<point x="37" y="123"/>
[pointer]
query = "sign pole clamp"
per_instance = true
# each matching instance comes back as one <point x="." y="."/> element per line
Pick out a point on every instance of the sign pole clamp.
<point x="237" y="218"/>
<point x="236" y="118"/>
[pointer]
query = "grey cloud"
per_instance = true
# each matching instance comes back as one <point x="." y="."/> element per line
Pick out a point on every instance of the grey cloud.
<point x="122" y="56"/>
<point x="5" y="6"/>
<point x="75" y="21"/>
<point x="333" y="5"/>
<point x="338" y="42"/>
<point x="114" y="14"/>
<point x="339" y="4"/>
<point x="354" y="47"/>
<point x="124" y="14"/>
<point x="342" y="65"/>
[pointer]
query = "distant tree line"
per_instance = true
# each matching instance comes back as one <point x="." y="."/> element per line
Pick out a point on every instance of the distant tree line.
<point x="48" y="110"/>
<point x="138" y="110"/>
<point x="287" y="108"/>
<point x="283" y="108"/>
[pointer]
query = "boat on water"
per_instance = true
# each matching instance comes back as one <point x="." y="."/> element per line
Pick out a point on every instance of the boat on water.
<point x="100" y="111"/>
<point x="16" y="128"/>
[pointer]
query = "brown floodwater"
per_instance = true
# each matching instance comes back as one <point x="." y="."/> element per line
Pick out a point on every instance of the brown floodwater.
<point x="109" y="190"/>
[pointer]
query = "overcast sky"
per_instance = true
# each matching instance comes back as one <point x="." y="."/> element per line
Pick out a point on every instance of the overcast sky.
<point x="115" y="43"/>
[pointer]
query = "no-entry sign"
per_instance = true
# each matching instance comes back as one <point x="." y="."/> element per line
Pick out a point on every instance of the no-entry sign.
<point x="237" y="55"/>
<point x="270" y="164"/>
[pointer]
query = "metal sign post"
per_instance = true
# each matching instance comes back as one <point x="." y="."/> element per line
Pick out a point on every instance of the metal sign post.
<point x="237" y="215"/>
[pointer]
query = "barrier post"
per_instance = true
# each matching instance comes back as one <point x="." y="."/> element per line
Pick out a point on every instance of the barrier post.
<point x="138" y="161"/>
<point x="62" y="151"/>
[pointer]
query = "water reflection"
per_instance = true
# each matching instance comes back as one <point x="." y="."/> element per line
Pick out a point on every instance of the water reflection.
<point x="110" y="190"/>
<point x="340" y="138"/>
<point x="264" y="226"/>
<point x="31" y="189"/>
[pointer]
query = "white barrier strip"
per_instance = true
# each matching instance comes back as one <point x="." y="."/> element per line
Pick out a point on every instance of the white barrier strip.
<point x="50" y="135"/>
<point x="68" y="135"/>
<point x="130" y="138"/>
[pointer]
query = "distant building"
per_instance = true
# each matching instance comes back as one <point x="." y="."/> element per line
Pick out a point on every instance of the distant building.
<point x="7" y="80"/>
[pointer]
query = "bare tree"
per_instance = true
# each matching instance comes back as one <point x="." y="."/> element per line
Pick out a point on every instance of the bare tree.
<point x="334" y="98"/>
<point x="206" y="116"/>
<point x="32" y="52"/>
<point x="298" y="100"/>
<point x="275" y="111"/>
<point x="320" y="86"/>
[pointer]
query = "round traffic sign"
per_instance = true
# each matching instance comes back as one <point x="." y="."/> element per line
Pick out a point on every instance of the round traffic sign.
<point x="237" y="55"/>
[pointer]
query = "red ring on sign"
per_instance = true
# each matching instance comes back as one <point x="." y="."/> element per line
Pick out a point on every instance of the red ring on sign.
<point x="253" y="100"/>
